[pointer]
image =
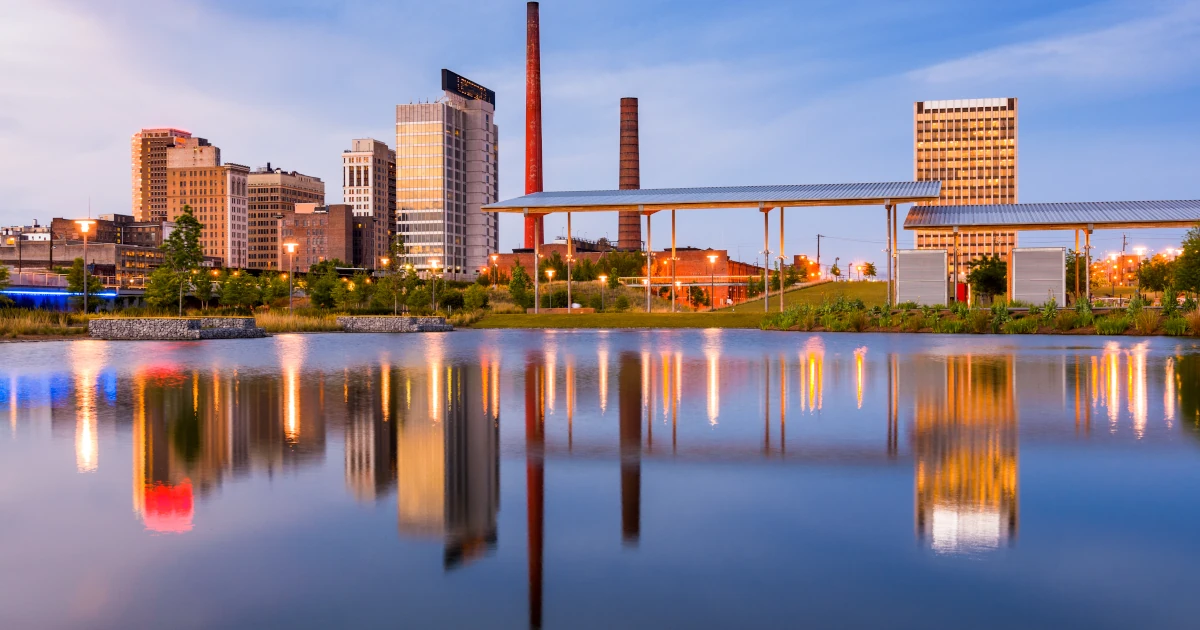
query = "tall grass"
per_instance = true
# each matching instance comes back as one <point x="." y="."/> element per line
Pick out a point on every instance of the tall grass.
<point x="1146" y="322"/>
<point x="16" y="322"/>
<point x="1193" y="321"/>
<point x="274" y="322"/>
<point x="1112" y="325"/>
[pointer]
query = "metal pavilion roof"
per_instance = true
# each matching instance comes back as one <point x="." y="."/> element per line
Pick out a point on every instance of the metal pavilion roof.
<point x="652" y="199"/>
<point x="1057" y="216"/>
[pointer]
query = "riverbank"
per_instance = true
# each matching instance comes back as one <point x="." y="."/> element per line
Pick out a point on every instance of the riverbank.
<point x="719" y="319"/>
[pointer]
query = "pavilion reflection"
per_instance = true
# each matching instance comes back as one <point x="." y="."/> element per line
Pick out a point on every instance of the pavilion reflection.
<point x="965" y="446"/>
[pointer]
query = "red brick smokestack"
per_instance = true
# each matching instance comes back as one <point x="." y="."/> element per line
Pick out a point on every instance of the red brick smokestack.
<point x="533" y="120"/>
<point x="629" y="223"/>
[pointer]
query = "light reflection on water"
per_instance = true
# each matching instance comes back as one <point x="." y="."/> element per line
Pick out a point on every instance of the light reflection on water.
<point x="426" y="423"/>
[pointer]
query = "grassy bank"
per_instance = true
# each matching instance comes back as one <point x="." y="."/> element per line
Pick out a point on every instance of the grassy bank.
<point x="21" y="323"/>
<point x="871" y="294"/>
<point x="282" y="322"/>
<point x="719" y="319"/>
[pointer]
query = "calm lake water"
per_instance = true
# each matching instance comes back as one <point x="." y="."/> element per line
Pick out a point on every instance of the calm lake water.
<point x="508" y="479"/>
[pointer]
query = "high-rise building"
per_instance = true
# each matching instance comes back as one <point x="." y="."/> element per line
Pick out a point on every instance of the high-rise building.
<point x="446" y="171"/>
<point x="148" y="157"/>
<point x="969" y="145"/>
<point x="216" y="194"/>
<point x="274" y="192"/>
<point x="369" y="186"/>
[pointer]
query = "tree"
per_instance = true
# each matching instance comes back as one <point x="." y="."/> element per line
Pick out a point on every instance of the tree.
<point x="554" y="261"/>
<point x="1187" y="264"/>
<point x="240" y="292"/>
<point x="272" y="287"/>
<point x="475" y="298"/>
<point x="75" y="282"/>
<point x="869" y="270"/>
<point x="1155" y="274"/>
<point x="162" y="289"/>
<point x="181" y="250"/>
<point x="202" y="287"/>
<point x="988" y="275"/>
<point x="835" y="271"/>
<point x="388" y="291"/>
<point x="1070" y="277"/>
<point x="320" y="283"/>
<point x="419" y="301"/>
<point x="697" y="296"/>
<point x="518" y="286"/>
<point x="5" y="278"/>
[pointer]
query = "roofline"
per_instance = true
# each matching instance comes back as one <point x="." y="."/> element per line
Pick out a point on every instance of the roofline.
<point x="931" y="224"/>
<point x="1036" y="227"/>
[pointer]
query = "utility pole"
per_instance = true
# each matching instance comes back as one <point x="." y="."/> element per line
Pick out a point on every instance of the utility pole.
<point x="819" y="236"/>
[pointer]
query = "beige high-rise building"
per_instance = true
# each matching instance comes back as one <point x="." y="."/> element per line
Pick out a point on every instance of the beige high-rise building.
<point x="274" y="193"/>
<point x="447" y="169"/>
<point x="217" y="195"/>
<point x="369" y="186"/>
<point x="148" y="157"/>
<point x="970" y="145"/>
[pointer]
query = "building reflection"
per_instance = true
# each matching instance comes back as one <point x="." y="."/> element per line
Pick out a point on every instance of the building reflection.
<point x="965" y="449"/>
<point x="447" y="458"/>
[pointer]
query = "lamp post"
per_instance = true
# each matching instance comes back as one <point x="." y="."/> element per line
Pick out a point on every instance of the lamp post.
<point x="603" y="281"/>
<point x="85" y="226"/>
<point x="495" y="270"/>
<point x="433" y="262"/>
<point x="291" y="250"/>
<point x="550" y="278"/>
<point x="712" y="282"/>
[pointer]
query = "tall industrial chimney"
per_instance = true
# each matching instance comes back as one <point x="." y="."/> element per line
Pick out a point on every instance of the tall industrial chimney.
<point x="533" y="121"/>
<point x="629" y="223"/>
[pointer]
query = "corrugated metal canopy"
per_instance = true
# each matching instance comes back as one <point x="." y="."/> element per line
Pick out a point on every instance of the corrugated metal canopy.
<point x="1056" y="216"/>
<point x="653" y="199"/>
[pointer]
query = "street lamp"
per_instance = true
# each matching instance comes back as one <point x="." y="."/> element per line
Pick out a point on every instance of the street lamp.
<point x="291" y="250"/>
<point x="712" y="282"/>
<point x="550" y="278"/>
<point x="603" y="281"/>
<point x="433" y="262"/>
<point x="495" y="270"/>
<point x="85" y="226"/>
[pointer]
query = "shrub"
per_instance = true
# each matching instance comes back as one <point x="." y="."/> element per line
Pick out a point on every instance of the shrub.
<point x="858" y="321"/>
<point x="475" y="297"/>
<point x="950" y="326"/>
<point x="1083" y="314"/>
<point x="622" y="303"/>
<point x="1175" y="326"/>
<point x="1000" y="315"/>
<point x="1112" y="325"/>
<point x="1193" y="321"/>
<point x="1065" y="321"/>
<point x="1146" y="321"/>
<point x="907" y="306"/>
<point x="1050" y="312"/>
<point x="1023" y="326"/>
<point x="913" y="322"/>
<point x="465" y="318"/>
<point x="979" y="322"/>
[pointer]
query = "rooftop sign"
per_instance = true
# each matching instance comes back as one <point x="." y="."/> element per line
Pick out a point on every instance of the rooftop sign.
<point x="466" y="88"/>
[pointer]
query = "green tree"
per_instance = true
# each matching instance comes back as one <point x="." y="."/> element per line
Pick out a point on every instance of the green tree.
<point x="320" y="283"/>
<point x="5" y="278"/>
<point x="518" y="286"/>
<point x="988" y="275"/>
<point x="835" y="271"/>
<point x="240" y="292"/>
<point x="389" y="290"/>
<point x="584" y="270"/>
<point x="475" y="298"/>
<point x="1155" y="274"/>
<point x="553" y="261"/>
<point x="162" y="288"/>
<point x="202" y="286"/>
<point x="1187" y="264"/>
<point x="1070" y="277"/>
<point x="272" y="288"/>
<point x="419" y="301"/>
<point x="75" y="283"/>
<point x="697" y="296"/>
<point x="181" y="250"/>
<point x="869" y="270"/>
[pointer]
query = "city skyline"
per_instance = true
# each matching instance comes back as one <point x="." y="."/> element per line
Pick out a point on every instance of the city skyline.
<point x="840" y="113"/>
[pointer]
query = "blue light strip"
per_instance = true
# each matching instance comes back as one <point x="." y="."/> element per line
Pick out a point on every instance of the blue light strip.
<point x="54" y="293"/>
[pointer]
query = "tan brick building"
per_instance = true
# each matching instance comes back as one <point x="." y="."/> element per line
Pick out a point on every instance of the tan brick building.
<point x="148" y="163"/>
<point x="217" y="195"/>
<point x="273" y="193"/>
<point x="970" y="145"/>
<point x="320" y="233"/>
<point x="369" y="187"/>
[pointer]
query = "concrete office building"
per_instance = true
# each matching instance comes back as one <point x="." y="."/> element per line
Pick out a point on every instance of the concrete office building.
<point x="274" y="192"/>
<point x="369" y="187"/>
<point x="217" y="195"/>
<point x="148" y="162"/>
<point x="970" y="145"/>
<point x="446" y="170"/>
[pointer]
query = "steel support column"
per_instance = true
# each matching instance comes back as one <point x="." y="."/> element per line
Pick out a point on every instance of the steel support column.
<point x="1087" y="264"/>
<point x="781" y="261"/>
<point x="1076" y="263"/>
<point x="570" y="257"/>
<point x="649" y="263"/>
<point x="673" y="259"/>
<point x="895" y="254"/>
<point x="766" y="212"/>
<point x="955" y="264"/>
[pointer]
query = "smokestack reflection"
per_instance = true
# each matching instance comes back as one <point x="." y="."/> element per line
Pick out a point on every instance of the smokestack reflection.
<point x="632" y="388"/>
<point x="535" y="482"/>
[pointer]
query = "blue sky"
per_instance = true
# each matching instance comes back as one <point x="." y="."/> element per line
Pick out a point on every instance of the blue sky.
<point x="730" y="93"/>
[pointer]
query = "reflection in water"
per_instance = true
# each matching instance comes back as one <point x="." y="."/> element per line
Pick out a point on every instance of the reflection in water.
<point x="632" y="388"/>
<point x="965" y="445"/>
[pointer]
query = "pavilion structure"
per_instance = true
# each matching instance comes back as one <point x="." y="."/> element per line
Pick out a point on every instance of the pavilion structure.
<point x="762" y="199"/>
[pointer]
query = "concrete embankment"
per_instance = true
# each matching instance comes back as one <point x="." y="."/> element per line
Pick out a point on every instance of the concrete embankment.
<point x="174" y="328"/>
<point x="393" y="324"/>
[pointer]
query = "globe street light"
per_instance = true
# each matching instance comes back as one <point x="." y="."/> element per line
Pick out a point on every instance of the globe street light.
<point x="291" y="250"/>
<point x="85" y="226"/>
<point x="550" y="278"/>
<point x="495" y="270"/>
<point x="433" y="263"/>
<point x="603" y="281"/>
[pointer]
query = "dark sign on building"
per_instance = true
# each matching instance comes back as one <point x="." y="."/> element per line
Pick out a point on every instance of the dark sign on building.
<point x="466" y="88"/>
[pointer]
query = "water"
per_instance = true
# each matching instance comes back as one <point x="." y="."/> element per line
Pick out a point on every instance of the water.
<point x="600" y="479"/>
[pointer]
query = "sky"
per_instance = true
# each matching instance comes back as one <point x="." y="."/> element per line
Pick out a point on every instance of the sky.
<point x="771" y="92"/>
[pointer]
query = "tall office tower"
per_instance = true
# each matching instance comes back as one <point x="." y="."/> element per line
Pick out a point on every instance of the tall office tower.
<point x="369" y="186"/>
<point x="148" y="157"/>
<point x="969" y="145"/>
<point x="217" y="195"/>
<point x="447" y="157"/>
<point x="273" y="193"/>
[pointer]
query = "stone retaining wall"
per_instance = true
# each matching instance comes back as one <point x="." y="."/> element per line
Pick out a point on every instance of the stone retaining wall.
<point x="393" y="324"/>
<point x="174" y="328"/>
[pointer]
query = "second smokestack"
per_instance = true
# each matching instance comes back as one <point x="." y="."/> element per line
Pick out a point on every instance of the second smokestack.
<point x="629" y="223"/>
